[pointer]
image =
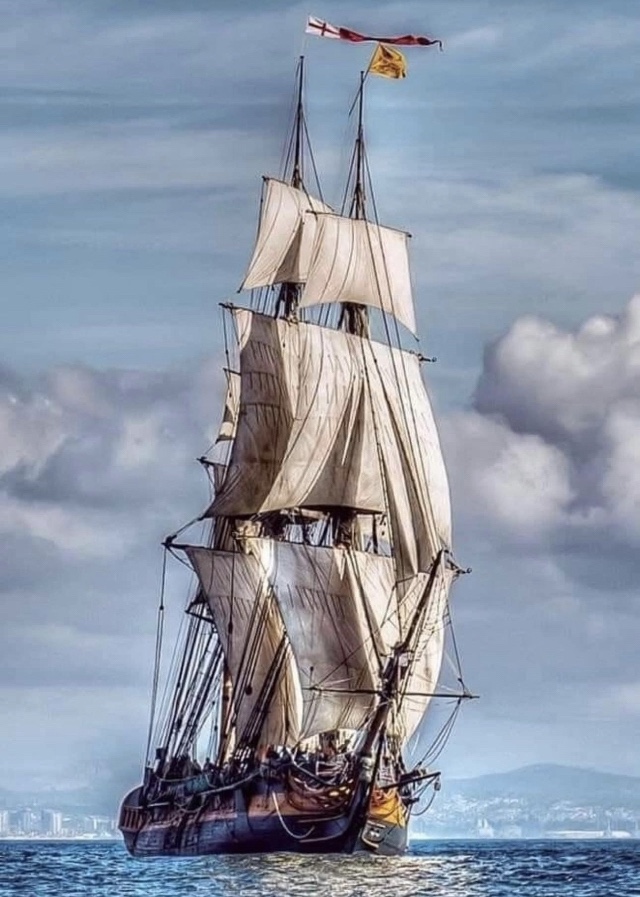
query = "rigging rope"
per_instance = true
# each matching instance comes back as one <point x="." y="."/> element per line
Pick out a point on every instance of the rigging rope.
<point x="158" y="655"/>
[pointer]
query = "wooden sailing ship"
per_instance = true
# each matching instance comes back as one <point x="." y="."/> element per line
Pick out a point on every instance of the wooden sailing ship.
<point x="315" y="635"/>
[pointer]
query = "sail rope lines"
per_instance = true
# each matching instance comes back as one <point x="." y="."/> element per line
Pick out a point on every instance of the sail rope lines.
<point x="187" y="684"/>
<point x="420" y="458"/>
<point x="158" y="656"/>
<point x="418" y="623"/>
<point x="248" y="660"/>
<point x="413" y="428"/>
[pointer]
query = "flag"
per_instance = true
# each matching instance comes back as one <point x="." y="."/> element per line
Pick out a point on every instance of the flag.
<point x="323" y="29"/>
<point x="388" y="62"/>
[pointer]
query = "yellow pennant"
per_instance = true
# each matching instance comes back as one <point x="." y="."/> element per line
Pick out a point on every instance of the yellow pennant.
<point x="388" y="62"/>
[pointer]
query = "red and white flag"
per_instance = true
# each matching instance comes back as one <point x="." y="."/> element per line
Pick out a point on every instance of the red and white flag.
<point x="324" y="29"/>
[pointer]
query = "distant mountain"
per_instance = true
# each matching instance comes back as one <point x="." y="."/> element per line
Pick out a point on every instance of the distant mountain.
<point x="538" y="787"/>
<point x="548" y="783"/>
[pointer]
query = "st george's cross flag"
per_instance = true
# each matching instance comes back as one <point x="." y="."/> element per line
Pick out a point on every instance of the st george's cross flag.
<point x="323" y="29"/>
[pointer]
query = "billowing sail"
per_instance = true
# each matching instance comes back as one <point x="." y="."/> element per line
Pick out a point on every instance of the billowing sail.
<point x="305" y="435"/>
<point x="340" y="611"/>
<point x="285" y="236"/>
<point x="356" y="261"/>
<point x="331" y="420"/>
<point x="251" y="633"/>
<point x="418" y="490"/>
<point x="334" y="603"/>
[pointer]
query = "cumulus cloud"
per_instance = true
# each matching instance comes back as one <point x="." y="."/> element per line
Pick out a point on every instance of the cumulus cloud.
<point x="82" y="448"/>
<point x="546" y="486"/>
<point x="96" y="467"/>
<point x="552" y="439"/>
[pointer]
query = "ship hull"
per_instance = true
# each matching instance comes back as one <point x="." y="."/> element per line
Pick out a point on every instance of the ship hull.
<point x="236" y="824"/>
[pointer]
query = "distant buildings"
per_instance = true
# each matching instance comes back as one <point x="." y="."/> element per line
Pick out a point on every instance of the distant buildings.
<point x="52" y="822"/>
<point x="27" y="822"/>
<point x="509" y="817"/>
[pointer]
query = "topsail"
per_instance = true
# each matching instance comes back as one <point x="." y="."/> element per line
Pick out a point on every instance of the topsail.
<point x="328" y="419"/>
<point x="354" y="260"/>
<point x="285" y="236"/>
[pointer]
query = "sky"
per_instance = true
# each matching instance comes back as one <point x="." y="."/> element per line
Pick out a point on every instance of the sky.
<point x="133" y="141"/>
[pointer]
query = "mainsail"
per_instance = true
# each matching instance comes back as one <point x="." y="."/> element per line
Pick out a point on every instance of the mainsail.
<point x="328" y="419"/>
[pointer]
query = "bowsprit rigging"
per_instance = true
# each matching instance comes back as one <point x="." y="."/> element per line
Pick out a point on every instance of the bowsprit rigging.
<point x="312" y="644"/>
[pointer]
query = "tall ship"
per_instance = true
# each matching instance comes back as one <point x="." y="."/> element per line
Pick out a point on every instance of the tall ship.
<point x="289" y="714"/>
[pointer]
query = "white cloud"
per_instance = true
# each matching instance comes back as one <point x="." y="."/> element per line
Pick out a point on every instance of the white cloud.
<point x="550" y="450"/>
<point x="519" y="482"/>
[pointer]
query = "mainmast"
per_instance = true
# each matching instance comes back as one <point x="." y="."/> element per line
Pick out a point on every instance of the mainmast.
<point x="358" y="198"/>
<point x="355" y="318"/>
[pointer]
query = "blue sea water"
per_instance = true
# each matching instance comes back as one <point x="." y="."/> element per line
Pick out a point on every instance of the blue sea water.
<point x="433" y="868"/>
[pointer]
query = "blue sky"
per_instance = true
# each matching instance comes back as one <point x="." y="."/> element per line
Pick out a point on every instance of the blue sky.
<point x="134" y="137"/>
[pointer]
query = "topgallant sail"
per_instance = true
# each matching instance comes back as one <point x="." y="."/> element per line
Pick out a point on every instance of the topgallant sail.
<point x="316" y="630"/>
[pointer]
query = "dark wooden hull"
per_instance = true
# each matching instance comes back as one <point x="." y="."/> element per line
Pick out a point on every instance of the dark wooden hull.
<point x="234" y="822"/>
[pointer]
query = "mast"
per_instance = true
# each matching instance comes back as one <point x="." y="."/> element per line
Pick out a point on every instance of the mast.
<point x="296" y="175"/>
<point x="358" y="198"/>
<point x="289" y="295"/>
<point x="354" y="317"/>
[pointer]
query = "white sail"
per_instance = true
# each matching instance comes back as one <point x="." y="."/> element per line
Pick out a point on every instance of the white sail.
<point x="356" y="261"/>
<point x="418" y="490"/>
<point x="251" y="633"/>
<point x="331" y="618"/>
<point x="269" y="373"/>
<point x="305" y="436"/>
<point x="285" y="236"/>
<point x="328" y="419"/>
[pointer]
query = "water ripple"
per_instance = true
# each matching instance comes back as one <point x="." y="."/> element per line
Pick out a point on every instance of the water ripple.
<point x="433" y="869"/>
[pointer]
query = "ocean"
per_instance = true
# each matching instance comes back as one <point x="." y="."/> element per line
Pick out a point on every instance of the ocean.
<point x="433" y="868"/>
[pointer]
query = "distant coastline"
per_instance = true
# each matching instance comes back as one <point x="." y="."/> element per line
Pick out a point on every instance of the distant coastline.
<point x="91" y="839"/>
